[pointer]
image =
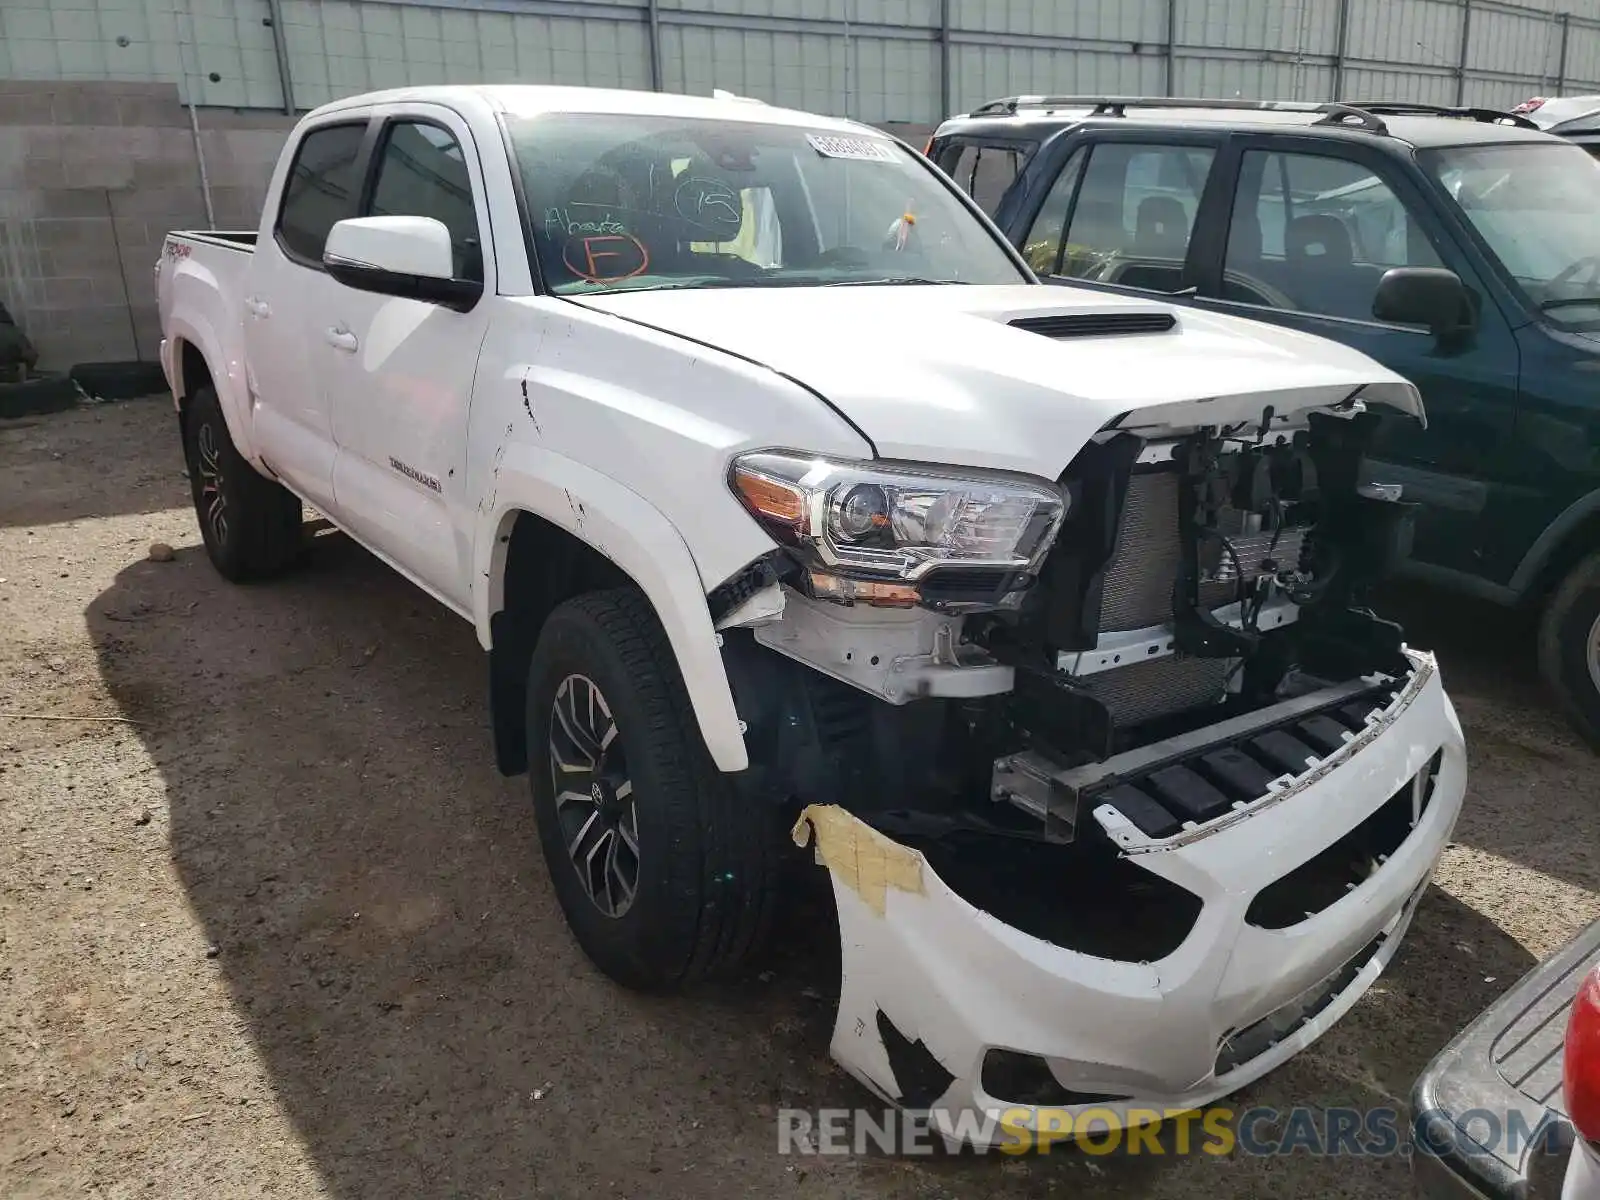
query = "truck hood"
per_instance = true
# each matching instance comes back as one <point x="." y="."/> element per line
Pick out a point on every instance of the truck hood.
<point x="939" y="374"/>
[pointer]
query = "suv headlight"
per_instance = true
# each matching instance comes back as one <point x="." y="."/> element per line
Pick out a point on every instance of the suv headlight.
<point x="896" y="521"/>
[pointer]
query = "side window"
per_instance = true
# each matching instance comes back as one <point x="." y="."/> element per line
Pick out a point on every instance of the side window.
<point x="1042" y="245"/>
<point x="985" y="173"/>
<point x="320" y="190"/>
<point x="1315" y="234"/>
<point x="422" y="173"/>
<point x="1135" y="214"/>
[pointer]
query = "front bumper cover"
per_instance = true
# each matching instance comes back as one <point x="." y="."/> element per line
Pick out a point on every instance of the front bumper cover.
<point x="932" y="984"/>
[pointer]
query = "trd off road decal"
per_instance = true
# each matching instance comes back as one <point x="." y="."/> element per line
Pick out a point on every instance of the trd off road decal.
<point x="410" y="472"/>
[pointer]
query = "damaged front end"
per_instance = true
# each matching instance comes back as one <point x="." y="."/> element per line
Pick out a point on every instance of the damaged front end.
<point x="1125" y="810"/>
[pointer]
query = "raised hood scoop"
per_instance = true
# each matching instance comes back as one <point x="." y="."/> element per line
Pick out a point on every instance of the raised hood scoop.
<point x="1014" y="377"/>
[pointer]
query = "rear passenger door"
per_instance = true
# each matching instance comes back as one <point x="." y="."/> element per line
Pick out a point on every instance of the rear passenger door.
<point x="1308" y="227"/>
<point x="292" y="426"/>
<point x="1122" y="212"/>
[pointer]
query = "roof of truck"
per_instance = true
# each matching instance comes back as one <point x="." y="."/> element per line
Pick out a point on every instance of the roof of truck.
<point x="1036" y="117"/>
<point x="529" y="100"/>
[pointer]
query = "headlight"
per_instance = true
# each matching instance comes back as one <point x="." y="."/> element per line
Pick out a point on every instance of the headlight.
<point x="898" y="522"/>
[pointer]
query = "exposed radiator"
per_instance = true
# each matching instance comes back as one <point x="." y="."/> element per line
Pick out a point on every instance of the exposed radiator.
<point x="1144" y="567"/>
<point x="1146" y="690"/>
<point x="1137" y="594"/>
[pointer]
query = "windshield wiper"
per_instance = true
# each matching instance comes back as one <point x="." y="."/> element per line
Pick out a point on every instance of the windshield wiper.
<point x="1568" y="302"/>
<point x="891" y="280"/>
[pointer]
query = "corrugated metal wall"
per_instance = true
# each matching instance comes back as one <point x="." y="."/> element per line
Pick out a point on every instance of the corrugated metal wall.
<point x="878" y="60"/>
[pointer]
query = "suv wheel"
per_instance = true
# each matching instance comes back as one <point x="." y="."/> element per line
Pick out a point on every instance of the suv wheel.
<point x="251" y="525"/>
<point x="665" y="874"/>
<point x="1569" y="647"/>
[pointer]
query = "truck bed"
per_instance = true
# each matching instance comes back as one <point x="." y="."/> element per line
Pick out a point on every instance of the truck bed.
<point x="227" y="239"/>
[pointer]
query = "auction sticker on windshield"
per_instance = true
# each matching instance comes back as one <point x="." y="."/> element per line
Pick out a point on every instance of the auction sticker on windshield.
<point x="834" y="146"/>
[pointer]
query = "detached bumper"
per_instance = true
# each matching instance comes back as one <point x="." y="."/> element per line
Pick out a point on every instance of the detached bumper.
<point x="932" y="985"/>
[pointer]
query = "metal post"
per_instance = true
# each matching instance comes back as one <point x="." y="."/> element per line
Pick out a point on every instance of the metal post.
<point x="655" y="46"/>
<point x="848" y="80"/>
<point x="280" y="47"/>
<point x="1466" y="45"/>
<point x="944" y="59"/>
<point x="1561" y="70"/>
<point x="1341" y="48"/>
<point x="1172" y="47"/>
<point x="194" y="117"/>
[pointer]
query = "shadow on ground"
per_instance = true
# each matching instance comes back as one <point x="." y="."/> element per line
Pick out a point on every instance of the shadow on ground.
<point x="395" y="952"/>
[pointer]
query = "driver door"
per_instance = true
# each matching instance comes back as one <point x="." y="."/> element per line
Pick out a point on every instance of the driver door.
<point x="1312" y="227"/>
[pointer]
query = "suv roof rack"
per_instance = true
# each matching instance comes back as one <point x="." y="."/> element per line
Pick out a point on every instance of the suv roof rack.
<point x="1402" y="108"/>
<point x="1117" y="106"/>
<point x="1351" y="115"/>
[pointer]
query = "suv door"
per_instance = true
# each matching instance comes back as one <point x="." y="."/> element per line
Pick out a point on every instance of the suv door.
<point x="399" y="372"/>
<point x="1121" y="210"/>
<point x="1304" y="230"/>
<point x="290" y="419"/>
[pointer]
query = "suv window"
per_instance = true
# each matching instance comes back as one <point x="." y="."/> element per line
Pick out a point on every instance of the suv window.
<point x="422" y="173"/>
<point x="320" y="190"/>
<point x="1135" y="213"/>
<point x="1042" y="246"/>
<point x="1315" y="234"/>
<point x="985" y="172"/>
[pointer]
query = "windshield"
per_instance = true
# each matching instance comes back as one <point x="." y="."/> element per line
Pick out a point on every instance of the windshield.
<point x="626" y="202"/>
<point x="1538" y="208"/>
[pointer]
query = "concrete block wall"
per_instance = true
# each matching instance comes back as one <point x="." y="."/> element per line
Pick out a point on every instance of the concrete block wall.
<point x="92" y="176"/>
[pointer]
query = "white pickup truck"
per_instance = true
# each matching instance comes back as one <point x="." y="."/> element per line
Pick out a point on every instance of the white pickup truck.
<point x="788" y="506"/>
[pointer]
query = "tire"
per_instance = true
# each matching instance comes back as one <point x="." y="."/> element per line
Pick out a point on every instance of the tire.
<point x="1569" y="647"/>
<point x="705" y="864"/>
<point x="252" y="526"/>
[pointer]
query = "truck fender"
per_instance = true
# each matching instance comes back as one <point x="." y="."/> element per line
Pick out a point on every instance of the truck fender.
<point x="636" y="536"/>
<point x="188" y="323"/>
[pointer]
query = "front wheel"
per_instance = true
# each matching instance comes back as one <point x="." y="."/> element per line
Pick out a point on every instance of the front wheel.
<point x="666" y="875"/>
<point x="252" y="526"/>
<point x="1569" y="647"/>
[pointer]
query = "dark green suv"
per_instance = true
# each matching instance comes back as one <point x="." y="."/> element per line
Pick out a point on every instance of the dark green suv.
<point x="1459" y="247"/>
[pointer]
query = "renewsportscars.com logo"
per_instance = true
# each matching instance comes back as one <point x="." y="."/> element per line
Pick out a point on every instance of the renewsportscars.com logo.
<point x="1220" y="1131"/>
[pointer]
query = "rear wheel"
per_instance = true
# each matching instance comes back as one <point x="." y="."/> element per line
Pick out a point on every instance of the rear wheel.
<point x="1569" y="647"/>
<point x="251" y="525"/>
<point x="666" y="875"/>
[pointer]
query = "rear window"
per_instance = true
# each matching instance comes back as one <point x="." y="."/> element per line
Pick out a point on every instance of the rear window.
<point x="985" y="173"/>
<point x="320" y="190"/>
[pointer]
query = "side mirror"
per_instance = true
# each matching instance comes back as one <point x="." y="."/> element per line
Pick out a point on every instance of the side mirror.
<point x="399" y="256"/>
<point x="1429" y="296"/>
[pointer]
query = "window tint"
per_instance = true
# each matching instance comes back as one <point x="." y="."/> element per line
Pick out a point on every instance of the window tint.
<point x="1135" y="214"/>
<point x="986" y="172"/>
<point x="321" y="188"/>
<point x="1042" y="246"/>
<point x="422" y="173"/>
<point x="1316" y="234"/>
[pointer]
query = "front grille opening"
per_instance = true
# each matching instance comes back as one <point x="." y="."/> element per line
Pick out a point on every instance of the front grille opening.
<point x="1325" y="879"/>
<point x="1205" y="786"/>
<point x="1065" y="325"/>
<point x="1255" y="1040"/>
<point x="1013" y="1077"/>
<point x="1076" y="896"/>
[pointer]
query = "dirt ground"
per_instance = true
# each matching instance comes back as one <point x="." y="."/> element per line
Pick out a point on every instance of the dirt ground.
<point x="287" y="932"/>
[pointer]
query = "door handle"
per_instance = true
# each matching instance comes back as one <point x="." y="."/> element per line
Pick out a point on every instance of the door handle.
<point x="257" y="307"/>
<point x="341" y="339"/>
